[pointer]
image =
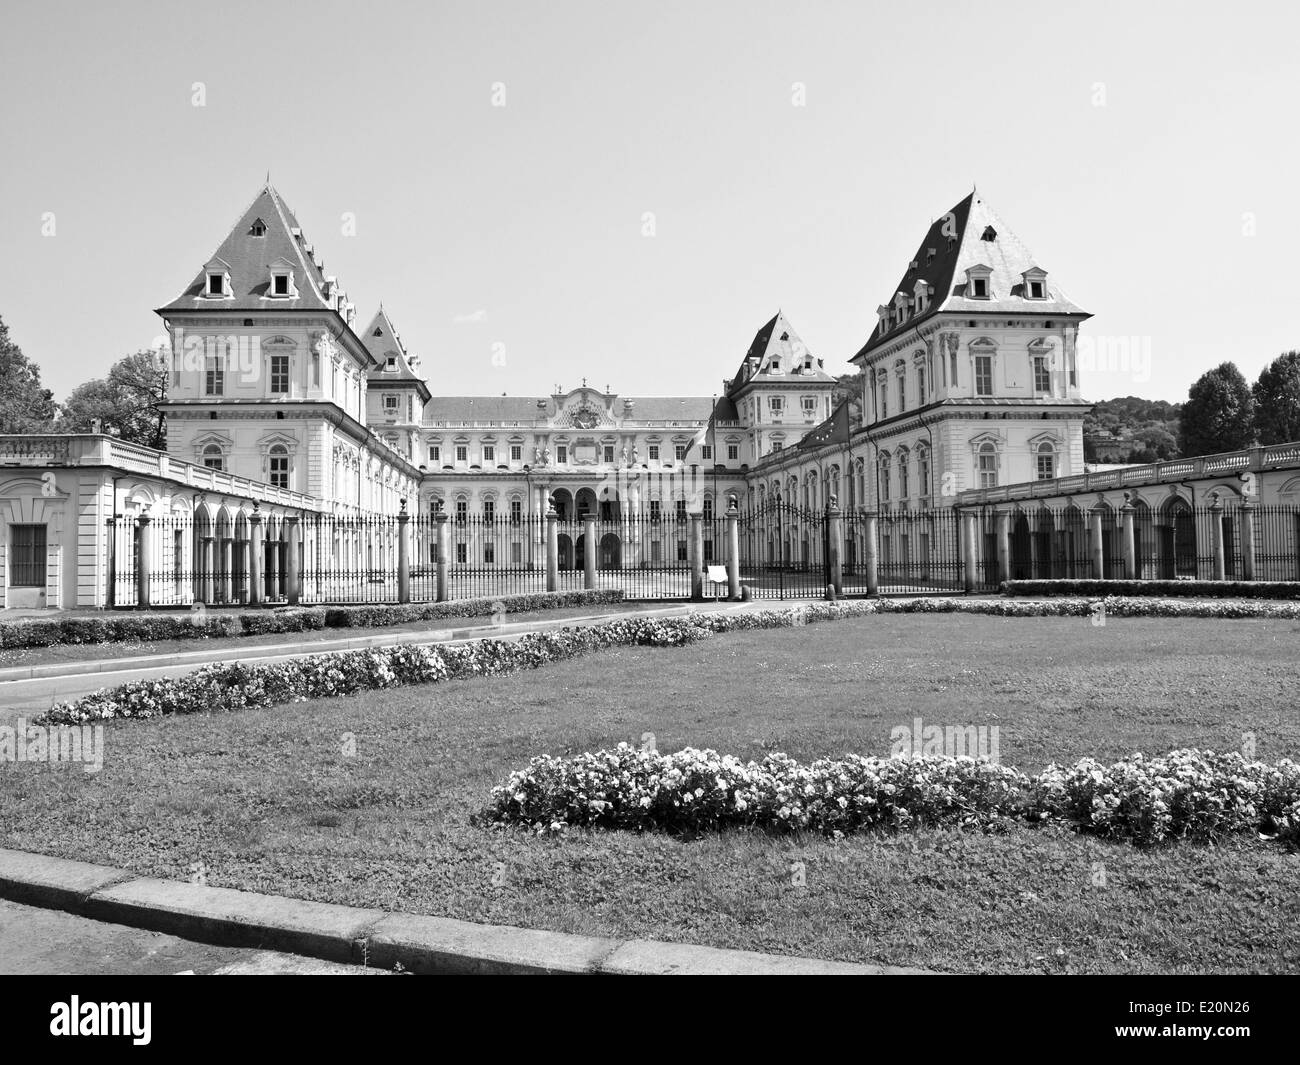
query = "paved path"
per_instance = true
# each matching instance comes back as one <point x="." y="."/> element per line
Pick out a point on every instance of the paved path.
<point x="39" y="942"/>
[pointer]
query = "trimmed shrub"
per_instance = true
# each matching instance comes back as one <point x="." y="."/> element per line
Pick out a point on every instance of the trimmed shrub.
<point x="290" y="619"/>
<point x="1181" y="589"/>
<point x="378" y="615"/>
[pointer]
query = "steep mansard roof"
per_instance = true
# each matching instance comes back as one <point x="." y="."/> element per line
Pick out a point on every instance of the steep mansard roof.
<point x="971" y="235"/>
<point x="382" y="340"/>
<point x="778" y="354"/>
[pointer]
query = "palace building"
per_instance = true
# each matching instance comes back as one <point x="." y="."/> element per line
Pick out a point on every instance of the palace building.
<point x="285" y="412"/>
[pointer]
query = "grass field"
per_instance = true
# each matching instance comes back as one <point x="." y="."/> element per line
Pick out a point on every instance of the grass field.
<point x="270" y="801"/>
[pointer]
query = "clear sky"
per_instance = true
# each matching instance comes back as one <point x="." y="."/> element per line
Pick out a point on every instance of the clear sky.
<point x="1146" y="153"/>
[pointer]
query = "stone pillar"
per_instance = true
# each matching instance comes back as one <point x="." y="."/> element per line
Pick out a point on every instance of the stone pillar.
<point x="293" y="563"/>
<point x="552" y="547"/>
<point x="1129" y="545"/>
<point x="143" y="564"/>
<point x="256" y="556"/>
<point x="208" y="560"/>
<point x="1002" y="526"/>
<point x="273" y="569"/>
<point x="970" y="560"/>
<point x="227" y="569"/>
<point x="871" y="536"/>
<point x="403" y="556"/>
<point x="440" y="520"/>
<point x="111" y="592"/>
<point x="589" y="552"/>
<point x="1216" y="536"/>
<point x="733" y="550"/>
<point x="695" y="553"/>
<point x="835" y="542"/>
<point x="1247" y="517"/>
<point x="1098" y="554"/>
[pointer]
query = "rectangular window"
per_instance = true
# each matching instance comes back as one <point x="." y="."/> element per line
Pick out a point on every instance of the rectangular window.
<point x="920" y="385"/>
<point x="462" y="511"/>
<point x="516" y="452"/>
<point x="489" y="553"/>
<point x="654" y="452"/>
<point x="561" y="453"/>
<point x="489" y="454"/>
<point x="980" y="286"/>
<point x="435" y="453"/>
<point x="984" y="375"/>
<point x="902" y="392"/>
<point x="680" y="510"/>
<point x="216" y="285"/>
<point x="656" y="551"/>
<point x="1042" y="376"/>
<point x="609" y="453"/>
<point x="776" y="404"/>
<point x="777" y="445"/>
<point x="733" y="452"/>
<point x="706" y="452"/>
<point x="462" y="553"/>
<point x="390" y="404"/>
<point x="282" y="284"/>
<point x="279" y="374"/>
<point x="280" y="471"/>
<point x="517" y="553"/>
<point x="489" y="511"/>
<point x="1046" y="465"/>
<point x="27" y="558"/>
<point x="708" y="550"/>
<point x="988" y="470"/>
<point x="462" y="453"/>
<point x="214" y="377"/>
<point x="655" y="510"/>
<point x="679" y="452"/>
<point x="516" y="511"/>
<point x="809" y="404"/>
<point x="681" y="551"/>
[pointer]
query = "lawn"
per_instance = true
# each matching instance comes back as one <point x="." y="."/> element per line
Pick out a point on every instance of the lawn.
<point x="271" y="800"/>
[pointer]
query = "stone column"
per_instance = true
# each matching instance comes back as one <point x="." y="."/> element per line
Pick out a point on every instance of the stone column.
<point x="1129" y="545"/>
<point x="256" y="557"/>
<point x="552" y="547"/>
<point x="227" y="569"/>
<point x="733" y="549"/>
<point x="1002" y="525"/>
<point x="696" y="555"/>
<point x="1098" y="553"/>
<point x="208" y="560"/>
<point x="143" y="564"/>
<point x="403" y="556"/>
<point x="1247" y="517"/>
<point x="273" y="569"/>
<point x="871" y="536"/>
<point x="440" y="520"/>
<point x="293" y="563"/>
<point x="1216" y="536"/>
<point x="835" y="541"/>
<point x="111" y="592"/>
<point x="970" y="560"/>
<point x="589" y="552"/>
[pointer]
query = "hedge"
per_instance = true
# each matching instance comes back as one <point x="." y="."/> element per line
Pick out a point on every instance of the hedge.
<point x="1187" y="794"/>
<point x="201" y="624"/>
<point x="1181" y="589"/>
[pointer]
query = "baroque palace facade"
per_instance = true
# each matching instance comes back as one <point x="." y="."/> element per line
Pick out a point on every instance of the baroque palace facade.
<point x="284" y="412"/>
<point x="969" y="381"/>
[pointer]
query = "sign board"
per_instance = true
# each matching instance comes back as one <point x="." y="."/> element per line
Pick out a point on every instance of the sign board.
<point x="717" y="574"/>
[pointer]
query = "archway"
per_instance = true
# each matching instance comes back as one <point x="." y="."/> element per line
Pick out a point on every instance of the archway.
<point x="585" y="504"/>
<point x="564" y="551"/>
<point x="1177" y="537"/>
<point x="1021" y="560"/>
<point x="611" y="552"/>
<point x="1046" y="563"/>
<point x="563" y="503"/>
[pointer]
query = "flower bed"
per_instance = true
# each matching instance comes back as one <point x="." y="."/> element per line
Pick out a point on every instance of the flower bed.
<point x="1181" y="589"/>
<point x="197" y="625"/>
<point x="1187" y="794"/>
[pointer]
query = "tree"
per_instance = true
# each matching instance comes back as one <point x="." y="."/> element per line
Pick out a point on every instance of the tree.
<point x="1277" y="400"/>
<point x="25" y="407"/>
<point x="125" y="403"/>
<point x="1219" y="414"/>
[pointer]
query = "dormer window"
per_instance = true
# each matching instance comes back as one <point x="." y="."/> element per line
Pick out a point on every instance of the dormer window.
<point x="978" y="282"/>
<point x="391" y="363"/>
<point x="258" y="229"/>
<point x="990" y="234"/>
<point x="216" y="283"/>
<point x="1035" y="284"/>
<point x="282" y="285"/>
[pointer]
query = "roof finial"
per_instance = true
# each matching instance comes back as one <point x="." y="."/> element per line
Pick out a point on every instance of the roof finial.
<point x="268" y="177"/>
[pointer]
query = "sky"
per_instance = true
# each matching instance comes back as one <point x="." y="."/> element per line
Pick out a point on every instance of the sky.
<point x="661" y="179"/>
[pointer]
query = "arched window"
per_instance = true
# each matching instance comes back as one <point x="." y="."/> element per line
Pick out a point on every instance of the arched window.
<point x="213" y="457"/>
<point x="904" y="474"/>
<point x="884" y="476"/>
<point x="923" y="470"/>
<point x="279" y="465"/>
<point x="1046" y="461"/>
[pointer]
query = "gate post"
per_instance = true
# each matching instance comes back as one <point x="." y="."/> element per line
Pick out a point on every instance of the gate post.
<point x="403" y="557"/>
<point x="440" y="520"/>
<point x="1130" y="547"/>
<point x="1247" y="539"/>
<point x="733" y="548"/>
<point x="871" y="534"/>
<point x="1216" y="535"/>
<point x="970" y="562"/>
<point x="291" y="578"/>
<point x="552" y="546"/>
<point x="256" y="556"/>
<point x="1098" y="554"/>
<point x="589" y="551"/>
<point x="142" y="563"/>
<point x="697" y="557"/>
<point x="111" y="592"/>
<point x="834" y="540"/>
<point x="208" y="563"/>
<point x="1002" y="524"/>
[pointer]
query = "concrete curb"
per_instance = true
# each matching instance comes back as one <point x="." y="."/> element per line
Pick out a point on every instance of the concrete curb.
<point x="432" y="945"/>
<point x="280" y="651"/>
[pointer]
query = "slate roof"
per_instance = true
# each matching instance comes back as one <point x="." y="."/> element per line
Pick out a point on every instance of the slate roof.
<point x="524" y="409"/>
<point x="957" y="242"/>
<point x="777" y="340"/>
<point x="249" y="259"/>
<point x="381" y="338"/>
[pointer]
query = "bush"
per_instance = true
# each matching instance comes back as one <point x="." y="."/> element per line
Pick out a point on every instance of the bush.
<point x="1181" y="589"/>
<point x="291" y="619"/>
<point x="380" y="615"/>
<point x="1187" y="794"/>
